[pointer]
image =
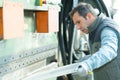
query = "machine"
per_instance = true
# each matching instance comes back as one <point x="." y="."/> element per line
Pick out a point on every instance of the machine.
<point x="41" y="51"/>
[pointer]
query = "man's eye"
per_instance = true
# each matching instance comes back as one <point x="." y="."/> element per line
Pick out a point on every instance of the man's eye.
<point x="78" y="22"/>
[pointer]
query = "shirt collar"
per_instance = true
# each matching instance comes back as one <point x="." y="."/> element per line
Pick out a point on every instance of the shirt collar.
<point x="96" y="23"/>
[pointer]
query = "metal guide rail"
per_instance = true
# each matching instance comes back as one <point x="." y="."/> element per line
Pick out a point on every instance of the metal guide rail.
<point x="25" y="58"/>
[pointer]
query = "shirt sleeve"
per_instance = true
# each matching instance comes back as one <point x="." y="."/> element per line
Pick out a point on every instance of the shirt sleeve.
<point x="107" y="52"/>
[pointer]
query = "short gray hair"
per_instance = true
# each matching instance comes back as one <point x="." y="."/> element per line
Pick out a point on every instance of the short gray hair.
<point x="83" y="9"/>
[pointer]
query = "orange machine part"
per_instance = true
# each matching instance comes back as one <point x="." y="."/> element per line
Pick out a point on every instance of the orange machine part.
<point x="1" y="23"/>
<point x="42" y="21"/>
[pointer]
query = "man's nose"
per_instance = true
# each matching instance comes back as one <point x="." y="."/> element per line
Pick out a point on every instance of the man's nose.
<point x="78" y="27"/>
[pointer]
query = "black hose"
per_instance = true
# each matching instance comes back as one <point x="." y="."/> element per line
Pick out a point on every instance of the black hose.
<point x="63" y="38"/>
<point x="60" y="38"/>
<point x="105" y="9"/>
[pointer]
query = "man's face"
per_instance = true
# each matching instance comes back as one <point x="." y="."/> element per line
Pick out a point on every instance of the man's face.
<point x="81" y="22"/>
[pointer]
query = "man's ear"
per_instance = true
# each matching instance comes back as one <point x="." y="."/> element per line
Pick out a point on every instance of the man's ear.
<point x="88" y="16"/>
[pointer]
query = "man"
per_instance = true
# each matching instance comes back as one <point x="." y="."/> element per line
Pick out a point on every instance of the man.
<point x="104" y="41"/>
